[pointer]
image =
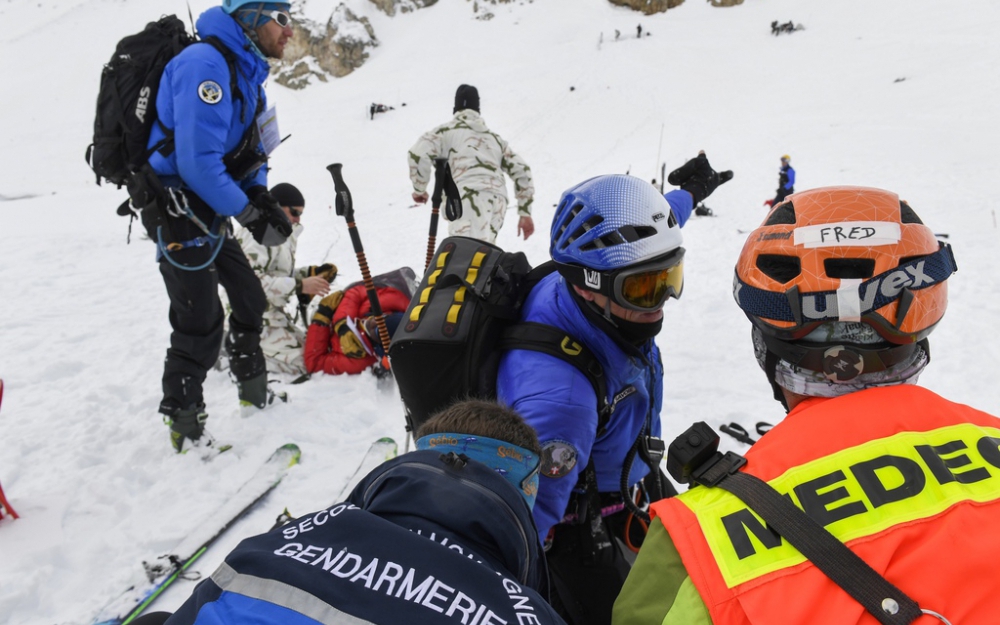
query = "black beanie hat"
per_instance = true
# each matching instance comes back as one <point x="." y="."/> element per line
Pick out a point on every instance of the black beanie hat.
<point x="287" y="195"/>
<point x="467" y="97"/>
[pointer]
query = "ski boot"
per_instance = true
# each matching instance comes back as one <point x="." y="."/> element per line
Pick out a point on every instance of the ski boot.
<point x="187" y="430"/>
<point x="255" y="395"/>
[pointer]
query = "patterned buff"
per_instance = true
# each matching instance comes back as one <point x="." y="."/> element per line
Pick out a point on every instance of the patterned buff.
<point x="817" y="384"/>
<point x="516" y="464"/>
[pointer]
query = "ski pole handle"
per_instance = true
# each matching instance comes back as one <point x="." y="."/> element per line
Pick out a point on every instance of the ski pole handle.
<point x="345" y="205"/>
<point x="439" y="173"/>
<point x="345" y="208"/>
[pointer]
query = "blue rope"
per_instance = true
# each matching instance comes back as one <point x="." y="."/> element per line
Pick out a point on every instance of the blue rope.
<point x="215" y="253"/>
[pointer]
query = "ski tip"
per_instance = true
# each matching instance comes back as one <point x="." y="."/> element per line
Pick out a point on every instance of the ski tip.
<point x="291" y="450"/>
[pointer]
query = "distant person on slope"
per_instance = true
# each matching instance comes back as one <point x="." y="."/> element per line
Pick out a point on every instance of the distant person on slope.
<point x="439" y="536"/>
<point x="282" y="339"/>
<point x="478" y="158"/>
<point x="786" y="181"/>
<point x="910" y="480"/>
<point x="208" y="157"/>
<point x="343" y="336"/>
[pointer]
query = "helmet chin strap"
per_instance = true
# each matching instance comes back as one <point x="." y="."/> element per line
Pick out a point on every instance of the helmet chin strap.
<point x="607" y="312"/>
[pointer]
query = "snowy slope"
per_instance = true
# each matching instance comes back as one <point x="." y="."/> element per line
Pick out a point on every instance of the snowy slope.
<point x="83" y="327"/>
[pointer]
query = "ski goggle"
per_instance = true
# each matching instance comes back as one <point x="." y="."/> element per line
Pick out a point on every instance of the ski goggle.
<point x="295" y="212"/>
<point x="280" y="18"/>
<point x="515" y="464"/>
<point x="646" y="287"/>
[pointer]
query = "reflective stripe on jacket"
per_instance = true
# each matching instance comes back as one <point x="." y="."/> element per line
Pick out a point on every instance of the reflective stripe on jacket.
<point x="907" y="479"/>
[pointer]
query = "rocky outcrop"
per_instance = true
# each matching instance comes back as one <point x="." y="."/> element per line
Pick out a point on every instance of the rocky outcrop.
<point x="335" y="49"/>
<point x="390" y="7"/>
<point x="725" y="3"/>
<point x="649" y="7"/>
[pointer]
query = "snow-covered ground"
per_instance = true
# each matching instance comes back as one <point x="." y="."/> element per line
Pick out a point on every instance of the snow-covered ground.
<point x="899" y="94"/>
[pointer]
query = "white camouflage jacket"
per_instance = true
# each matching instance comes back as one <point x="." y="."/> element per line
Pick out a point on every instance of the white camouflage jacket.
<point x="275" y="266"/>
<point x="478" y="159"/>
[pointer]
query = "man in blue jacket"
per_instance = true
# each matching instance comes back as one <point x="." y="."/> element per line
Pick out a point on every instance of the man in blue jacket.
<point x="786" y="181"/>
<point x="438" y="536"/>
<point x="617" y="245"/>
<point x="208" y="159"/>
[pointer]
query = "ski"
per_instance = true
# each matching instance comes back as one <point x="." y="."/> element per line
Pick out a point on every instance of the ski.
<point x="166" y="569"/>
<point x="381" y="450"/>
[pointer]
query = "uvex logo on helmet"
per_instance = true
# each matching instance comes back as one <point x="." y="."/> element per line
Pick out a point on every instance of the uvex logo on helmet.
<point x="889" y="286"/>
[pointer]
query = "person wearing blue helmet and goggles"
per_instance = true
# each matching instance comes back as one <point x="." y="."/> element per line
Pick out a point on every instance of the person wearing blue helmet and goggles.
<point x="617" y="245"/>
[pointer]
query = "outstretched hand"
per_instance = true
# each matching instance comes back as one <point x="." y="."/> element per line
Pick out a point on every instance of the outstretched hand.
<point x="421" y="198"/>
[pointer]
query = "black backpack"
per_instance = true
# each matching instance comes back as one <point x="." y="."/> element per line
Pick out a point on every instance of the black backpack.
<point x="126" y="101"/>
<point x="464" y="315"/>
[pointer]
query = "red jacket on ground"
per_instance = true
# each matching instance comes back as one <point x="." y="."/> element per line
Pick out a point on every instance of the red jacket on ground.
<point x="323" y="352"/>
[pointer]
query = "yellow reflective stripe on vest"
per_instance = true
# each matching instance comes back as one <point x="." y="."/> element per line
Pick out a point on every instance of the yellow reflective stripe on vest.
<point x="854" y="493"/>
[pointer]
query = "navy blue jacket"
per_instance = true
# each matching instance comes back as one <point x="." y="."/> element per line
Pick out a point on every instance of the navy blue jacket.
<point x="420" y="541"/>
<point x="204" y="130"/>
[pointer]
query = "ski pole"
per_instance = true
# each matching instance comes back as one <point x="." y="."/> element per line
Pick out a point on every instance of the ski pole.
<point x="439" y="165"/>
<point x="345" y="208"/>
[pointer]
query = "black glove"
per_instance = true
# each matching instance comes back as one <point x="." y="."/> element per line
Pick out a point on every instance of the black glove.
<point x="264" y="218"/>
<point x="698" y="178"/>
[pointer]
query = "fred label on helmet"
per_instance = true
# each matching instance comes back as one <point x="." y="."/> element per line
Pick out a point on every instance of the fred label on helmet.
<point x="866" y="233"/>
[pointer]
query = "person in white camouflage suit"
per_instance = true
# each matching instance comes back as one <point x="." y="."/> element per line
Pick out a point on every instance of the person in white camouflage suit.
<point x="282" y="340"/>
<point x="478" y="158"/>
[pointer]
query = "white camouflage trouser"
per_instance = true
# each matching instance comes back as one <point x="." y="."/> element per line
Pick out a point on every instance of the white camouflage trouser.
<point x="283" y="347"/>
<point x="482" y="216"/>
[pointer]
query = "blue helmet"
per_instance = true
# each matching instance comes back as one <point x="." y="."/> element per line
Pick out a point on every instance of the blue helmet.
<point x="610" y="226"/>
<point x="610" y="222"/>
<point x="231" y="6"/>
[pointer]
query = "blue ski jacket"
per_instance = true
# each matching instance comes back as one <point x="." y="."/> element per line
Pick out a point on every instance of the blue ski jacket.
<point x="561" y="404"/>
<point x="681" y="203"/>
<point x="205" y="126"/>
<point x="425" y="539"/>
<point x="787" y="176"/>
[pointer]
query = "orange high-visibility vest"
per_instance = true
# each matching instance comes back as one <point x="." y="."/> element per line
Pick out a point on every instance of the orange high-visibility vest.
<point x="908" y="480"/>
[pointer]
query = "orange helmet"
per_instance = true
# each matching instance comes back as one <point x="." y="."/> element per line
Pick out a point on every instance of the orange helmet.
<point x="843" y="254"/>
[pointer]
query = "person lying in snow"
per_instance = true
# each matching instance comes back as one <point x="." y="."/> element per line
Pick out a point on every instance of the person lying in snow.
<point x="343" y="335"/>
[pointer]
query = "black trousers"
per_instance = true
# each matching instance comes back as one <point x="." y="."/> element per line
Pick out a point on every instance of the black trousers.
<point x="153" y="618"/>
<point x="196" y="317"/>
<point x="782" y="193"/>
<point x="588" y="570"/>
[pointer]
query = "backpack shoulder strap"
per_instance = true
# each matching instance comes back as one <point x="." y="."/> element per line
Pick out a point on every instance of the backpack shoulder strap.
<point x="888" y="604"/>
<point x="535" y="275"/>
<point x="227" y="54"/>
<point x="541" y="337"/>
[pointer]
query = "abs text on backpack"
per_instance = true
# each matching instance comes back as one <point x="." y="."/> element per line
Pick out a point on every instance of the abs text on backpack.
<point x="464" y="315"/>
